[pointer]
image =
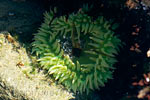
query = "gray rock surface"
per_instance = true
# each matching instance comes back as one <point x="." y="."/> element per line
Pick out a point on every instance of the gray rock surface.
<point x="15" y="81"/>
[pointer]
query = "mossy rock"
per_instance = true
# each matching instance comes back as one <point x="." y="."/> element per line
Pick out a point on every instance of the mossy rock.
<point x="16" y="82"/>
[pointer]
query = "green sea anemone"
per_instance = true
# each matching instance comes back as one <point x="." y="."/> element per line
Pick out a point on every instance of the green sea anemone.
<point x="78" y="51"/>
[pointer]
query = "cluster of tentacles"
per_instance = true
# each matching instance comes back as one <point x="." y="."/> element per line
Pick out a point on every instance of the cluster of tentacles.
<point x="78" y="51"/>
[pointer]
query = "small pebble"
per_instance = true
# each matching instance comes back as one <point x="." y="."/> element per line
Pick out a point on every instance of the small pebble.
<point x="20" y="32"/>
<point x="11" y="14"/>
<point x="147" y="79"/>
<point x="148" y="53"/>
<point x="144" y="8"/>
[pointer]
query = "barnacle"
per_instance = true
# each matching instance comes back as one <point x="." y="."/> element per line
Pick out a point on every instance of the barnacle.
<point x="77" y="50"/>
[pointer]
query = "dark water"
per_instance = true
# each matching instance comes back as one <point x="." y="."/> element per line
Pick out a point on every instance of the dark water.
<point x="21" y="18"/>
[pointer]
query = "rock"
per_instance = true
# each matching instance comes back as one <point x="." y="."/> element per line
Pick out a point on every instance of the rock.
<point x="17" y="84"/>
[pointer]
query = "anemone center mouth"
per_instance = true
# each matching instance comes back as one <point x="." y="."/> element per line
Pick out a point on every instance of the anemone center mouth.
<point x="76" y="52"/>
<point x="69" y="49"/>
